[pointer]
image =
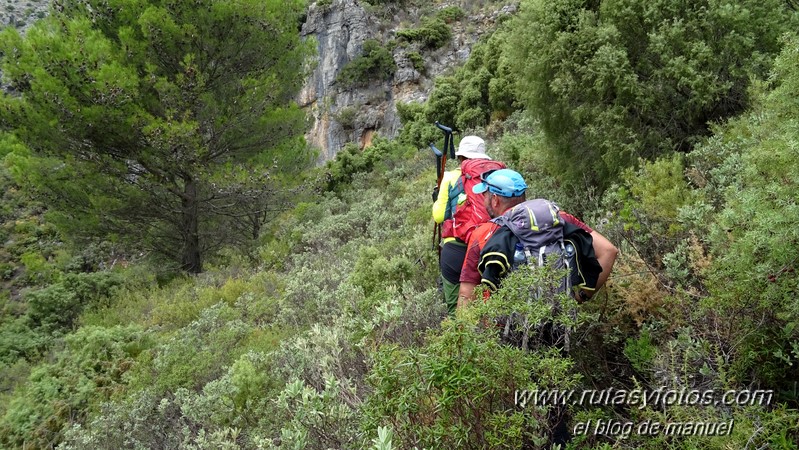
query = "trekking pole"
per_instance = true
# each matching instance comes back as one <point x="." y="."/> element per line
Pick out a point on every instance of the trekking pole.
<point x="441" y="160"/>
<point x="449" y="143"/>
<point x="441" y="167"/>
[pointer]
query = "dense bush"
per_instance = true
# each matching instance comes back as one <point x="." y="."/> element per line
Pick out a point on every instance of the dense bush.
<point x="59" y="304"/>
<point x="616" y="81"/>
<point x="89" y="370"/>
<point x="752" y="277"/>
<point x="351" y="160"/>
<point x="450" y="14"/>
<point x="182" y="396"/>
<point x="417" y="61"/>
<point x="481" y="91"/>
<point x="375" y="63"/>
<point x="433" y="33"/>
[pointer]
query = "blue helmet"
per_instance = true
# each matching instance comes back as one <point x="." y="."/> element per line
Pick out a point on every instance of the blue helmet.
<point x="504" y="182"/>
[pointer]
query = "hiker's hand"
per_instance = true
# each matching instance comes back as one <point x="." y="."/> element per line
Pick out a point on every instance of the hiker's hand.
<point x="435" y="193"/>
<point x="581" y="296"/>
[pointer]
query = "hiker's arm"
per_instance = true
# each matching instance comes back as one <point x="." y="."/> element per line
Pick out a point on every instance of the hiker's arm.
<point x="495" y="258"/>
<point x="606" y="254"/>
<point x="494" y="267"/>
<point x="470" y="275"/>
<point x="466" y="294"/>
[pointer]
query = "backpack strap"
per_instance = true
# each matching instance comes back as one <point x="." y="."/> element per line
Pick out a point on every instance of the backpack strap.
<point x="455" y="190"/>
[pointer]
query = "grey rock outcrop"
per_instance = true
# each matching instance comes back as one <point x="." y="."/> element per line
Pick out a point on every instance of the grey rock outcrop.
<point x="340" y="115"/>
<point x="340" y="30"/>
<point x="21" y="14"/>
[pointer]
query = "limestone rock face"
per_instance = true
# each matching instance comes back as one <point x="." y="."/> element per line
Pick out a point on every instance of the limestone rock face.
<point x="341" y="115"/>
<point x="339" y="30"/>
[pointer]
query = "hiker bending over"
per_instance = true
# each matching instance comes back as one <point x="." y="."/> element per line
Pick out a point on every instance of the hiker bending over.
<point x="533" y="232"/>
<point x="492" y="245"/>
<point x="460" y="210"/>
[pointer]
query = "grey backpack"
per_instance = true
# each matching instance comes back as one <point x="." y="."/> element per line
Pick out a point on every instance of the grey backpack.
<point x="540" y="231"/>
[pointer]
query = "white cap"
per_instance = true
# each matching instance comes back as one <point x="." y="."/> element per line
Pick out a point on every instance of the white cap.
<point x="472" y="147"/>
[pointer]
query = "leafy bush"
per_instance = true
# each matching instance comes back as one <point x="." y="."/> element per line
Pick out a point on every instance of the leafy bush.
<point x="7" y="271"/>
<point x="417" y="60"/>
<point x="649" y="205"/>
<point x="350" y="160"/>
<point x="753" y="278"/>
<point x="90" y="369"/>
<point x="480" y="91"/>
<point x="433" y="33"/>
<point x="416" y="130"/>
<point x="374" y="63"/>
<point x="614" y="82"/>
<point x="450" y="14"/>
<point x="18" y="340"/>
<point x="197" y="353"/>
<point x="640" y="351"/>
<point x="210" y="418"/>
<point x="346" y="117"/>
<point x="376" y="269"/>
<point x="58" y="305"/>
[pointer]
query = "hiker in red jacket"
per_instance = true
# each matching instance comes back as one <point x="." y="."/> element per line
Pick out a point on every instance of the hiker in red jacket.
<point x="502" y="190"/>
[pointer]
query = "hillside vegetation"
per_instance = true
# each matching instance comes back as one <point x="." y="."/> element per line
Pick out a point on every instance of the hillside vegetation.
<point x="175" y="274"/>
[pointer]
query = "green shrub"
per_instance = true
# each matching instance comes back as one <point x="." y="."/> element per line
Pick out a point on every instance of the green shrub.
<point x="346" y="117"/>
<point x="416" y="131"/>
<point x="18" y="340"/>
<point x="640" y="351"/>
<point x="615" y="82"/>
<point x="224" y="414"/>
<point x="450" y="14"/>
<point x="649" y="206"/>
<point x="433" y="33"/>
<point x="377" y="269"/>
<point x="351" y="160"/>
<point x="374" y="63"/>
<point x="37" y="271"/>
<point x="417" y="61"/>
<point x="87" y="371"/>
<point x="480" y="91"/>
<point x="58" y="305"/>
<point x="748" y="180"/>
<point x="7" y="271"/>
<point x="196" y="353"/>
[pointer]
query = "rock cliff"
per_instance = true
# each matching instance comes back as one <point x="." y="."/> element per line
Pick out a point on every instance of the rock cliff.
<point x="340" y="28"/>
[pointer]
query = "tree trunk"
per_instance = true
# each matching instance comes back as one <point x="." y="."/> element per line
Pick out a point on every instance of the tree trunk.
<point x="191" y="259"/>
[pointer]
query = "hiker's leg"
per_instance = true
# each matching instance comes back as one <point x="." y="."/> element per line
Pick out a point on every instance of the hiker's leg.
<point x="452" y="256"/>
<point x="450" y="295"/>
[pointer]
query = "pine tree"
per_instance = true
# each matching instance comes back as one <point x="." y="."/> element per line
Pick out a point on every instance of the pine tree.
<point x="145" y="116"/>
